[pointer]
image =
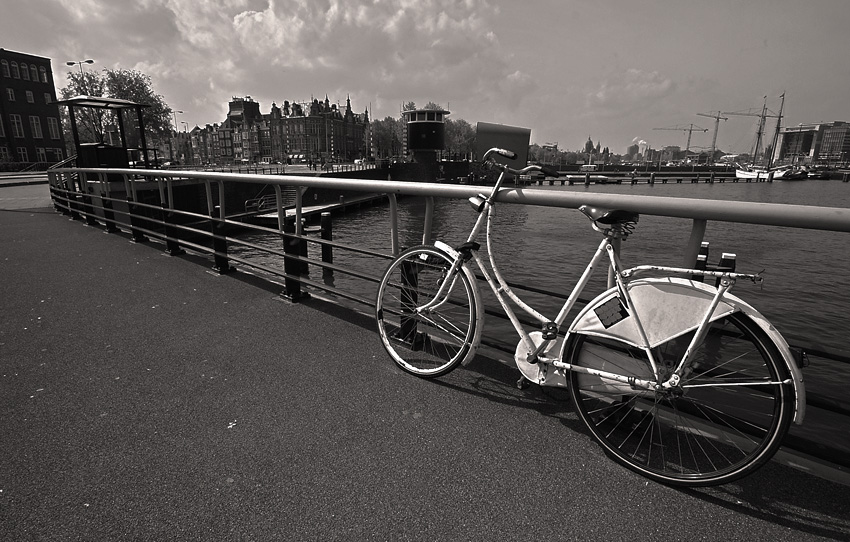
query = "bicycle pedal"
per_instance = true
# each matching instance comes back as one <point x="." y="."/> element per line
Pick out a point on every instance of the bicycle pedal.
<point x="523" y="383"/>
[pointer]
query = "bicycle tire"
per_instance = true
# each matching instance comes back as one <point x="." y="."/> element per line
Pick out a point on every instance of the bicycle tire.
<point x="434" y="343"/>
<point x="704" y="436"/>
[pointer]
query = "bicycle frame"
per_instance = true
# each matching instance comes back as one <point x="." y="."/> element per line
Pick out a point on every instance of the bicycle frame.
<point x="534" y="352"/>
<point x="629" y="357"/>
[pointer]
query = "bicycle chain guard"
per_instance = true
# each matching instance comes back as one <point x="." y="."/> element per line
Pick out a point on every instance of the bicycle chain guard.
<point x="540" y="373"/>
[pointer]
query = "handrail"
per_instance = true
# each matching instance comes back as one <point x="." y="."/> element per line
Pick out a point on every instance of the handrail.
<point x="766" y="214"/>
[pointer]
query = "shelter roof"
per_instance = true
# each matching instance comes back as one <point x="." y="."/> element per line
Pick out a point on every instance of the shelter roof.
<point x="99" y="102"/>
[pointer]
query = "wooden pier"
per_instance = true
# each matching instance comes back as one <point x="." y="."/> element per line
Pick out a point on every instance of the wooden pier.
<point x="310" y="213"/>
<point x="650" y="179"/>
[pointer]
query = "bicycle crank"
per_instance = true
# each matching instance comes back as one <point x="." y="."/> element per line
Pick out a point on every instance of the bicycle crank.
<point x="540" y="373"/>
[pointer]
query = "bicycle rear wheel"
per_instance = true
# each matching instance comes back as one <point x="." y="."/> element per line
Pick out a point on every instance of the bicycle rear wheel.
<point x="430" y="343"/>
<point x="727" y="418"/>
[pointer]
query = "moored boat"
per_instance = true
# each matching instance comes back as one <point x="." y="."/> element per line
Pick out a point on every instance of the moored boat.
<point x="785" y="173"/>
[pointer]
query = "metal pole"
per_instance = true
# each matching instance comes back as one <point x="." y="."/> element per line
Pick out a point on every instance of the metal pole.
<point x="394" y="223"/>
<point x="429" y="220"/>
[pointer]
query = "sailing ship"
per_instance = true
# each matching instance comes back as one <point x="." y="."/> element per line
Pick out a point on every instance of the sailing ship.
<point x="766" y="171"/>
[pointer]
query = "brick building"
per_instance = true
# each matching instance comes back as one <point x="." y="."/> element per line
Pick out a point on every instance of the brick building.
<point x="309" y="131"/>
<point x="30" y="125"/>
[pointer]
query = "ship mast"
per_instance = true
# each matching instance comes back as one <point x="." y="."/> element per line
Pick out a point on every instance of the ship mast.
<point x="776" y="133"/>
<point x="762" y="117"/>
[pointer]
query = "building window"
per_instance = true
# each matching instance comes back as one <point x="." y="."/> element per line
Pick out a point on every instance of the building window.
<point x="40" y="154"/>
<point x="43" y="74"/>
<point x="4" y="67"/>
<point x="30" y="98"/>
<point x="23" y="156"/>
<point x="10" y="94"/>
<point x="53" y="127"/>
<point x="2" y="130"/>
<point x="15" y="73"/>
<point x="35" y="126"/>
<point x="58" y="154"/>
<point x="25" y="72"/>
<point x="48" y="99"/>
<point x="17" y="125"/>
<point x="34" y="72"/>
<point x="4" y="153"/>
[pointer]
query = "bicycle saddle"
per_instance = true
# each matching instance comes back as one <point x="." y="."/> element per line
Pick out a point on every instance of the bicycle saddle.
<point x="609" y="216"/>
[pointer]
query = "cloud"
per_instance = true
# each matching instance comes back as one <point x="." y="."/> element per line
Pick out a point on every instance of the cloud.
<point x="634" y="89"/>
<point x="381" y="52"/>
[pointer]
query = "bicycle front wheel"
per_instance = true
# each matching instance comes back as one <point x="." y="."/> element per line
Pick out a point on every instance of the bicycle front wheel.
<point x="726" y="419"/>
<point x="432" y="342"/>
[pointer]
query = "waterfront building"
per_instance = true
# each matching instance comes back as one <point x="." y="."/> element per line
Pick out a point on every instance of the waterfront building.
<point x="299" y="131"/>
<point x="821" y="143"/>
<point x="30" y="124"/>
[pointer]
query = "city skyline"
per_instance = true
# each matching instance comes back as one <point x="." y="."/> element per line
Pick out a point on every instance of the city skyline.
<point x="567" y="70"/>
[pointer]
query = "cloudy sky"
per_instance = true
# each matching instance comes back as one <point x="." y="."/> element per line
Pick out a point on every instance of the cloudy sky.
<point x="610" y="69"/>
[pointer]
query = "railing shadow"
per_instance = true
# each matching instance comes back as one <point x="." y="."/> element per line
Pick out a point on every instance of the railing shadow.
<point x="787" y="497"/>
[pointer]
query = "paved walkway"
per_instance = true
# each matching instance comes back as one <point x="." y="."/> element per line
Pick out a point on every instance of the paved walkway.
<point x="144" y="397"/>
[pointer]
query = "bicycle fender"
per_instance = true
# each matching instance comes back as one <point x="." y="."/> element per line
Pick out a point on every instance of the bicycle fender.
<point x="670" y="307"/>
<point x="476" y="296"/>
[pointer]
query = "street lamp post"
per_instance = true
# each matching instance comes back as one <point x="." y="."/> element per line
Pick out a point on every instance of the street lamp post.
<point x="176" y="127"/>
<point x="80" y="62"/>
<point x="93" y="121"/>
<point x="171" y="141"/>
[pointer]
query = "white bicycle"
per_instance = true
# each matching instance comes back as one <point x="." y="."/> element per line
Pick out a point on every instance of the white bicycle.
<point x="678" y="380"/>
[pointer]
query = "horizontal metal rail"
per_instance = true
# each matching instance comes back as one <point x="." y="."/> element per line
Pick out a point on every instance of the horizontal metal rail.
<point x="768" y="214"/>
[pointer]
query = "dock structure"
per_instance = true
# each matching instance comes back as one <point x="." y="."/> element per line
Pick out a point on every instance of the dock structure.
<point x="652" y="178"/>
<point x="312" y="212"/>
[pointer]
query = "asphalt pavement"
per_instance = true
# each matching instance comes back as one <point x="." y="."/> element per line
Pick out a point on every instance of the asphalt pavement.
<point x="145" y="397"/>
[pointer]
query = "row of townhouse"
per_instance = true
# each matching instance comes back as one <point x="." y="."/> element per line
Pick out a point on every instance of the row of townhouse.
<point x="297" y="132"/>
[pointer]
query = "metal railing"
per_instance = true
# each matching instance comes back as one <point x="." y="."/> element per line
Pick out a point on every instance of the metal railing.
<point x="113" y="197"/>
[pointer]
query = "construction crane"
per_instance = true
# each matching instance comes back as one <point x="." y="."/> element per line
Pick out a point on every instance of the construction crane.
<point x="682" y="128"/>
<point x="717" y="118"/>
<point x="763" y="116"/>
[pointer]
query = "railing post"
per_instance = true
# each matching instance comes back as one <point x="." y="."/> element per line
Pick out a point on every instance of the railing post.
<point x="106" y="204"/>
<point x="702" y="261"/>
<point x="303" y="268"/>
<point x="327" y="235"/>
<point x="393" y="223"/>
<point x="692" y="250"/>
<point x="429" y="220"/>
<point x="88" y="205"/>
<point x="291" y="266"/>
<point x="130" y="187"/>
<point x="169" y="218"/>
<point x="73" y="207"/>
<point x="217" y="228"/>
<point x="53" y="184"/>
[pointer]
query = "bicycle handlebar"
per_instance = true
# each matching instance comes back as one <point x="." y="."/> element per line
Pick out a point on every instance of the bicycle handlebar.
<point x="510" y="155"/>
